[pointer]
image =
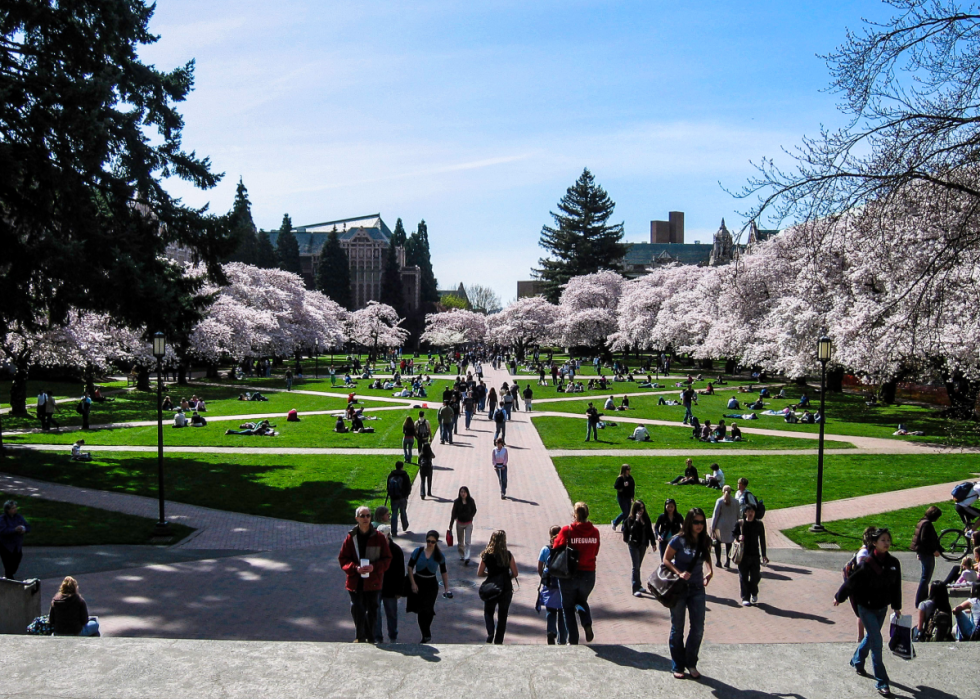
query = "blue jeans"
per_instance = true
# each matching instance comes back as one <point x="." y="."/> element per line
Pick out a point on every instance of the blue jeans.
<point x="556" y="626"/>
<point x="591" y="430"/>
<point x="502" y="478"/>
<point x="407" y="444"/>
<point x="446" y="433"/>
<point x="636" y="556"/>
<point x="482" y="404"/>
<point x="391" y="614"/>
<point x="575" y="592"/>
<point x="91" y="628"/>
<point x="965" y="626"/>
<point x="685" y="655"/>
<point x="624" y="508"/>
<point x="872" y="642"/>
<point x="500" y="431"/>
<point x="469" y="418"/>
<point x="688" y="414"/>
<point x="928" y="565"/>
<point x="400" y="505"/>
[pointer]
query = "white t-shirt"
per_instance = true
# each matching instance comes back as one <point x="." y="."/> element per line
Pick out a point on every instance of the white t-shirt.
<point x="719" y="474"/>
<point x="180" y="420"/>
<point x="640" y="434"/>
<point x="610" y="405"/>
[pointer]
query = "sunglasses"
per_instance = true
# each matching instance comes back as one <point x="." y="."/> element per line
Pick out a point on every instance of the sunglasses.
<point x="431" y="541"/>
<point x="359" y="516"/>
<point x="699" y="521"/>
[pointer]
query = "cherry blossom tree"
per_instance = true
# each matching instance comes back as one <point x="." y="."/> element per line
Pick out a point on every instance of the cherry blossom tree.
<point x="455" y="327"/>
<point x="376" y="325"/>
<point x="524" y="323"/>
<point x="587" y="309"/>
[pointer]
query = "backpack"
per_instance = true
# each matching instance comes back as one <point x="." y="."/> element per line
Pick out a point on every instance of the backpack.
<point x="499" y="416"/>
<point x="849" y="567"/>
<point x="80" y="408"/>
<point x="394" y="487"/>
<point x="760" y="508"/>
<point x="938" y="628"/>
<point x="563" y="562"/>
<point x="961" y="491"/>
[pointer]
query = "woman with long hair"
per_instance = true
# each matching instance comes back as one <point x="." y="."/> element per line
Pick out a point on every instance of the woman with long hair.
<point x="925" y="543"/>
<point x="426" y="562"/>
<point x="875" y="584"/>
<point x="69" y="613"/>
<point x="498" y="563"/>
<point x="937" y="601"/>
<point x="723" y="521"/>
<point x="625" y="488"/>
<point x="582" y="536"/>
<point x="638" y="534"/>
<point x="686" y="556"/>
<point x="464" y="510"/>
<point x="491" y="402"/>
<point x="408" y="438"/>
<point x="668" y="524"/>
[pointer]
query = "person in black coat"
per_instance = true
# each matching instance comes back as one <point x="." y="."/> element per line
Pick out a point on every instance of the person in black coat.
<point x="874" y="584"/>
<point x="638" y="534"/>
<point x="752" y="533"/>
<point x="668" y="525"/>
<point x="392" y="587"/>
<point x="925" y="543"/>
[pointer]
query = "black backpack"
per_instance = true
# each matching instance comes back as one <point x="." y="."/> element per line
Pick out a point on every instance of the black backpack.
<point x="938" y="628"/>
<point x="760" y="508"/>
<point x="394" y="487"/>
<point x="563" y="562"/>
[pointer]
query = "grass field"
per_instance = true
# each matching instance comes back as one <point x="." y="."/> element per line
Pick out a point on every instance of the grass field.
<point x="781" y="481"/>
<point x="846" y="533"/>
<point x="321" y="489"/>
<point x="569" y="433"/>
<point x="63" y="524"/>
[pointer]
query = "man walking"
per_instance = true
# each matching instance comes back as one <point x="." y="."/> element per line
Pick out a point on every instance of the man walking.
<point x="687" y="397"/>
<point x="528" y="396"/>
<point x="446" y="417"/>
<point x="42" y="413"/>
<point x="500" y="420"/>
<point x="592" y="427"/>
<point x="423" y="432"/>
<point x="50" y="407"/>
<point x="365" y="557"/>
<point x="399" y="488"/>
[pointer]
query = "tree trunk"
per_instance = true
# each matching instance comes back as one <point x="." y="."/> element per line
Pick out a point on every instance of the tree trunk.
<point x="143" y="379"/>
<point x="212" y="371"/>
<point x="801" y="380"/>
<point x="887" y="392"/>
<point x="835" y="380"/>
<point x="730" y="366"/>
<point x="707" y="364"/>
<point x="182" y="374"/>
<point x="18" y="391"/>
<point x="89" y="379"/>
<point x="962" y="397"/>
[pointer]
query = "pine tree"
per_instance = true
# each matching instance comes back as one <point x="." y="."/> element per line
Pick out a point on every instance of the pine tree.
<point x="243" y="228"/>
<point x="287" y="248"/>
<point x="417" y="253"/>
<point x="265" y="253"/>
<point x="398" y="237"/>
<point x="391" y="282"/>
<point x="581" y="243"/>
<point x="333" y="272"/>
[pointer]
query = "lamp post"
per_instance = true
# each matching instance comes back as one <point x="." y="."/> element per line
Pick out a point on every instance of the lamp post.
<point x="316" y="360"/>
<point x="824" y="348"/>
<point x="159" y="350"/>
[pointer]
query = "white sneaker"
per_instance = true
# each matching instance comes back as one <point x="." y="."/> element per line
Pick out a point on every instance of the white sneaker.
<point x="746" y="603"/>
<point x="638" y="594"/>
<point x="754" y="599"/>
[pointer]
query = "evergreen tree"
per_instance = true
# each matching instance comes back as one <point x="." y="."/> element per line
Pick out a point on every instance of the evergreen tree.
<point x="333" y="272"/>
<point x="287" y="247"/>
<point x="266" y="254"/>
<point x="243" y="228"/>
<point x="398" y="237"/>
<point x="391" y="282"/>
<point x="581" y="242"/>
<point x="417" y="253"/>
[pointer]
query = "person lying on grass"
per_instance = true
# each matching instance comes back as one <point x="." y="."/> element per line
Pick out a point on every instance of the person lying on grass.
<point x="257" y="429"/>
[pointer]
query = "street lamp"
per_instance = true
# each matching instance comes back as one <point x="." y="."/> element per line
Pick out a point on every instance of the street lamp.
<point x="316" y="360"/>
<point x="159" y="351"/>
<point x="824" y="348"/>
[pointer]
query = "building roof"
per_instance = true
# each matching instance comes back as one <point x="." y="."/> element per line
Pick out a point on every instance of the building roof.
<point x="640" y="254"/>
<point x="313" y="236"/>
<point x="460" y="292"/>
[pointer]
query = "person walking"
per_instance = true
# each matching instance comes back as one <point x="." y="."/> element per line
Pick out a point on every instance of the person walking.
<point x="491" y="403"/>
<point x="625" y="488"/>
<point x="469" y="405"/>
<point x="500" y="421"/>
<point x="464" y="510"/>
<point x="592" y="424"/>
<point x="686" y="556"/>
<point x="426" y="458"/>
<point x="668" y="525"/>
<point x="582" y="536"/>
<point x="507" y="401"/>
<point x="638" y="534"/>
<point x="498" y="564"/>
<point x="752" y="533"/>
<point x="42" y="413"/>
<point x="399" y="488"/>
<point x="549" y="595"/>
<point x="499" y="458"/>
<point x="50" y="408"/>
<point x="392" y="587"/>
<point x="408" y="438"/>
<point x="13" y="527"/>
<point x="529" y="395"/>
<point x="875" y="584"/>
<point x="925" y="543"/>
<point x="687" y="398"/>
<point x="423" y="431"/>
<point x="364" y="557"/>
<point x="85" y="409"/>
<point x="723" y="520"/>
<point x="423" y="566"/>
<point x="446" y="417"/>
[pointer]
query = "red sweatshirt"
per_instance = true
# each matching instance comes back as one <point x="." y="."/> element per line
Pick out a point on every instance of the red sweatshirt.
<point x="584" y="538"/>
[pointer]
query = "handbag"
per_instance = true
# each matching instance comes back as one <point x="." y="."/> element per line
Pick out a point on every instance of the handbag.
<point x="449" y="537"/>
<point x="563" y="562"/>
<point x="666" y="585"/>
<point x="495" y="586"/>
<point x="738" y="552"/>
<point x="900" y="631"/>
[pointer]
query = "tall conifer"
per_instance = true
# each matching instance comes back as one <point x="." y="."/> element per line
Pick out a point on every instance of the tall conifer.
<point x="391" y="282"/>
<point x="265" y="253"/>
<point x="333" y="272"/>
<point x="417" y="253"/>
<point x="243" y="228"/>
<point x="287" y="248"/>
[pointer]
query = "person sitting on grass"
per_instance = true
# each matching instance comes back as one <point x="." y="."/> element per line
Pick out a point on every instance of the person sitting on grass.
<point x="706" y="432"/>
<point x="292" y="416"/>
<point x="716" y="479"/>
<point x="746" y="389"/>
<point x="807" y="418"/>
<point x="180" y="420"/>
<point x="98" y="397"/>
<point x="736" y="433"/>
<point x="624" y="404"/>
<point x="252" y="429"/>
<point x="185" y="404"/>
<point x="77" y="454"/>
<point x="690" y="476"/>
<point x="733" y="404"/>
<point x="709" y="390"/>
<point x="197" y="420"/>
<point x="790" y="417"/>
<point x="720" y="432"/>
<point x="169" y="404"/>
<point x="721" y="380"/>
<point x="339" y="426"/>
<point x="758" y="405"/>
<point x="640" y="434"/>
<point x="782" y="394"/>
<point x="610" y="404"/>
<point x="376" y="385"/>
<point x="764" y="393"/>
<point x="804" y="401"/>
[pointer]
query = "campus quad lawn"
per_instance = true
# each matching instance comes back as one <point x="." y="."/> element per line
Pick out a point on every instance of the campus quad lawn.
<point x="569" y="433"/>
<point x="64" y="524"/>
<point x="847" y="414"/>
<point x="781" y="481"/>
<point x="317" y="489"/>
<point x="846" y="533"/>
<point x="311" y="431"/>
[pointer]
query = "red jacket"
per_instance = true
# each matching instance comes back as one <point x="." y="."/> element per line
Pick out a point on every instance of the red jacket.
<point x="377" y="552"/>
<point x="584" y="538"/>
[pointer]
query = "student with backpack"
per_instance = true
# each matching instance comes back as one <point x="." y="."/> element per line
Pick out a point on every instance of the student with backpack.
<point x="965" y="495"/>
<point x="876" y="583"/>
<point x="500" y="421"/>
<point x="925" y="543"/>
<point x="578" y="580"/>
<point x="549" y="596"/>
<point x="399" y="488"/>
<point x="935" y="617"/>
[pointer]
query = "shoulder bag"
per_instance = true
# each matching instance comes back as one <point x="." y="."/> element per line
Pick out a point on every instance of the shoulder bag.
<point x="563" y="562"/>
<point x="737" y="552"/>
<point x="666" y="585"/>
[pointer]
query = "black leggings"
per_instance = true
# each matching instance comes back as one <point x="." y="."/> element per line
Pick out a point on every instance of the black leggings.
<point x="425" y="479"/>
<point x="728" y="551"/>
<point x="11" y="562"/>
<point x="428" y="593"/>
<point x="502" y="605"/>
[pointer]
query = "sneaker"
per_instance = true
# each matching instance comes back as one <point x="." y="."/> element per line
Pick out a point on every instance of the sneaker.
<point x="638" y="594"/>
<point x="551" y="639"/>
<point x="614" y="524"/>
<point x="754" y="599"/>
<point x="466" y="562"/>
<point x="426" y="639"/>
<point x="746" y="603"/>
<point x="589" y="634"/>
<point x="885" y="692"/>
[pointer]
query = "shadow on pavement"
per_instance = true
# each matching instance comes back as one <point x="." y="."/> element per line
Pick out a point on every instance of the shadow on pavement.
<point x="429" y="654"/>
<point x="627" y="657"/>
<point x="791" y="614"/>
<point x="790" y="569"/>
<point x="720" y="689"/>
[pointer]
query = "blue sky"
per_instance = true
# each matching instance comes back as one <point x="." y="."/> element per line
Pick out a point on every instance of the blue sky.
<point x="477" y="116"/>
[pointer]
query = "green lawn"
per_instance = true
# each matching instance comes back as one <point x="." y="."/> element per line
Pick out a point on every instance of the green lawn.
<point x="63" y="524"/>
<point x="847" y="414"/>
<point x="569" y="433"/>
<point x="783" y="481"/>
<point x="321" y="489"/>
<point x="846" y="533"/>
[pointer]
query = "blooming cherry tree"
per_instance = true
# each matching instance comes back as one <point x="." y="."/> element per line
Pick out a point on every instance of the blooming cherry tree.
<point x="524" y="323"/>
<point x="587" y="309"/>
<point x="455" y="327"/>
<point x="376" y="325"/>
